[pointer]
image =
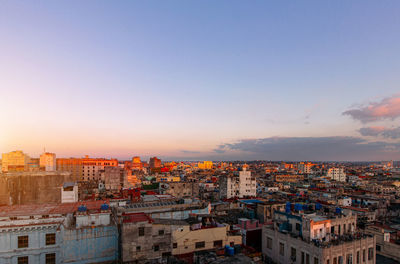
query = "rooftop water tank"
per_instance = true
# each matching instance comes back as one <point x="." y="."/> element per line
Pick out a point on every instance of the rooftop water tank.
<point x="82" y="208"/>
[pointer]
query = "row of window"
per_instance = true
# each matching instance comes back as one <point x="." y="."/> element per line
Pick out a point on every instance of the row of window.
<point x="202" y="244"/>
<point x="50" y="259"/>
<point x="305" y="257"/>
<point x="23" y="241"/>
<point x="141" y="231"/>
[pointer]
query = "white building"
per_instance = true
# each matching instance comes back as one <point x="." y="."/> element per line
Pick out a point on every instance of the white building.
<point x="239" y="185"/>
<point x="69" y="192"/>
<point x="48" y="161"/>
<point x="336" y="174"/>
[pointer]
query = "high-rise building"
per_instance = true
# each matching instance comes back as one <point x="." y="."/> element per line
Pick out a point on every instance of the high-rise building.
<point x="239" y="185"/>
<point x="205" y="165"/>
<point x="155" y="163"/>
<point x="305" y="167"/>
<point x="48" y="161"/>
<point x="336" y="174"/>
<point x="136" y="163"/>
<point x="15" y="161"/>
<point x="86" y="168"/>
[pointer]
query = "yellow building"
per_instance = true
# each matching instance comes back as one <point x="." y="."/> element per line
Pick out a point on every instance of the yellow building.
<point x="186" y="240"/>
<point x="48" y="161"/>
<point x="15" y="161"/>
<point x="205" y="165"/>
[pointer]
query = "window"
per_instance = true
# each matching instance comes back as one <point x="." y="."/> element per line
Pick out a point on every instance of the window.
<point x="281" y="249"/>
<point x="161" y="232"/>
<point x="156" y="247"/>
<point x="138" y="248"/>
<point x="302" y="257"/>
<point x="327" y="261"/>
<point x="349" y="259"/>
<point x="363" y="255"/>
<point x="307" y="258"/>
<point x="174" y="245"/>
<point x="23" y="260"/>
<point x="23" y="241"/>
<point x="293" y="254"/>
<point x="334" y="260"/>
<point x="218" y="243"/>
<point x="370" y="253"/>
<point x="358" y="257"/>
<point x="50" y="239"/>
<point x="316" y="260"/>
<point x="297" y="226"/>
<point x="51" y="258"/>
<point x="269" y="243"/>
<point x="200" y="244"/>
<point x="378" y="248"/>
<point x="340" y="260"/>
<point x="141" y="231"/>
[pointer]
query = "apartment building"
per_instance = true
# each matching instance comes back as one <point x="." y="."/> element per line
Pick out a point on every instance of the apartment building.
<point x="336" y="174"/>
<point x="316" y="238"/>
<point x="48" y="161"/>
<point x="85" y="169"/>
<point x="15" y="161"/>
<point x="240" y="184"/>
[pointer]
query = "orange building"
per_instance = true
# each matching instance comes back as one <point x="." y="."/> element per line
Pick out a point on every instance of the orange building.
<point x="84" y="169"/>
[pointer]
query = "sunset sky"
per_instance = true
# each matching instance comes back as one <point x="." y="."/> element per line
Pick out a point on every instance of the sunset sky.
<point x="219" y="80"/>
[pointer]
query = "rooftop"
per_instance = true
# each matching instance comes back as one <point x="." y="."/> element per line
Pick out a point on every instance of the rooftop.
<point x="48" y="209"/>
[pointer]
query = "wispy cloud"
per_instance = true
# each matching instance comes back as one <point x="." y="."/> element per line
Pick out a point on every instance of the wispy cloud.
<point x="190" y="152"/>
<point x="387" y="108"/>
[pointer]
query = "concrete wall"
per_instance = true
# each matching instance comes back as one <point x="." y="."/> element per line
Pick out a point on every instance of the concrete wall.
<point x="37" y="248"/>
<point x="90" y="245"/>
<point x="31" y="187"/>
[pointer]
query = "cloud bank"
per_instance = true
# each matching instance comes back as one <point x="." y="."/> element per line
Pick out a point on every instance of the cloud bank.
<point x="387" y="108"/>
<point x="389" y="133"/>
<point x="310" y="148"/>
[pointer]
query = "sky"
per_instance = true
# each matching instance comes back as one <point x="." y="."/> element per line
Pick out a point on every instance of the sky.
<point x="192" y="80"/>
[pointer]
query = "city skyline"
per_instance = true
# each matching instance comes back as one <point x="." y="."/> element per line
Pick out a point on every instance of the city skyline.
<point x="205" y="81"/>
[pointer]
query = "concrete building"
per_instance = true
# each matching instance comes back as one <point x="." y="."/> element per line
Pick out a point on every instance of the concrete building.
<point x="289" y="178"/>
<point x="15" y="161"/>
<point x="316" y="238"/>
<point x="143" y="240"/>
<point x="266" y="210"/>
<point x="155" y="164"/>
<point x="69" y="192"/>
<point x="181" y="189"/>
<point x="158" y="207"/>
<point x="305" y="167"/>
<point x="32" y="187"/>
<point x="336" y="174"/>
<point x="85" y="169"/>
<point x="204" y="235"/>
<point x="48" y="162"/>
<point x="386" y="238"/>
<point x="50" y="234"/>
<point x="239" y="185"/>
<point x="136" y="163"/>
<point x="113" y="178"/>
<point x="205" y="165"/>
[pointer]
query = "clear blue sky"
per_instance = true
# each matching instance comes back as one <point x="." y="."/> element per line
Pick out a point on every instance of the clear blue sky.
<point x="198" y="79"/>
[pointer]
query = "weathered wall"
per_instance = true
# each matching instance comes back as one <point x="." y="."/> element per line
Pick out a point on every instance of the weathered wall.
<point x="32" y="187"/>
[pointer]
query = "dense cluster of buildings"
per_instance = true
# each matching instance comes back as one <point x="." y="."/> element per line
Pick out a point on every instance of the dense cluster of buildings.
<point x="91" y="210"/>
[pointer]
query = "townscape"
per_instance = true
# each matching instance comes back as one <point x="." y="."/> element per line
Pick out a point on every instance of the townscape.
<point x="99" y="210"/>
